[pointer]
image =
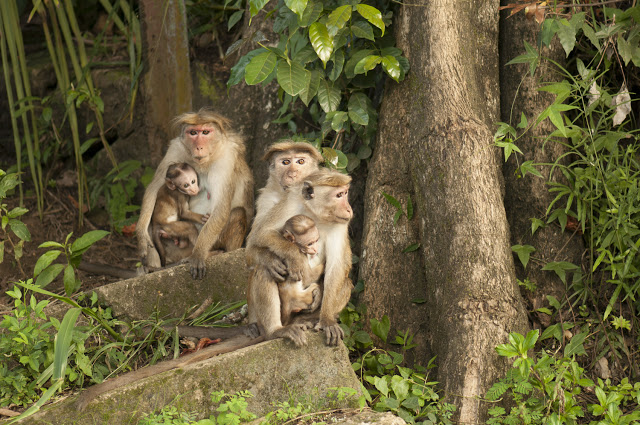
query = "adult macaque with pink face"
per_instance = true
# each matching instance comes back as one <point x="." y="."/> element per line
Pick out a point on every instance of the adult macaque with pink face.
<point x="217" y="154"/>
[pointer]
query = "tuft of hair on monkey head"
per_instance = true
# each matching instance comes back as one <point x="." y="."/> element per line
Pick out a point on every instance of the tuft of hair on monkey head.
<point x="175" y="170"/>
<point x="302" y="231"/>
<point x="324" y="177"/>
<point x="294" y="147"/>
<point x="203" y="116"/>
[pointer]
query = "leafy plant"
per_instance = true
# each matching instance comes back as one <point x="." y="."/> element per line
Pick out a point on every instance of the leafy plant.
<point x="330" y="56"/>
<point x="45" y="271"/>
<point x="597" y="196"/>
<point x="9" y="219"/>
<point x="548" y="388"/>
<point x="388" y="386"/>
<point x="118" y="187"/>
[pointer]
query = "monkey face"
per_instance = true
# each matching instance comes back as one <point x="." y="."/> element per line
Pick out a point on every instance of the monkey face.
<point x="293" y="167"/>
<point x="331" y="203"/>
<point x="200" y="139"/>
<point x="308" y="243"/>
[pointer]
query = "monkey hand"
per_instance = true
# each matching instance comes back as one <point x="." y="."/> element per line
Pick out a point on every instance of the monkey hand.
<point x="252" y="331"/>
<point x="198" y="266"/>
<point x="295" y="267"/>
<point x="332" y="332"/>
<point x="296" y="333"/>
<point x="205" y="217"/>
<point x="275" y="266"/>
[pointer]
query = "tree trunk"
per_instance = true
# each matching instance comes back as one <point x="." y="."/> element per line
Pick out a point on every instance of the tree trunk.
<point x="167" y="86"/>
<point x="435" y="144"/>
<point x="528" y="197"/>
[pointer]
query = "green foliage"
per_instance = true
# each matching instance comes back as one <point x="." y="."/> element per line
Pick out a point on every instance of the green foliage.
<point x="331" y="56"/>
<point x="169" y="415"/>
<point x="118" y="188"/>
<point x="597" y="194"/>
<point x="9" y="219"/>
<point x="549" y="389"/>
<point x="26" y="349"/>
<point x="387" y="384"/>
<point x="45" y="270"/>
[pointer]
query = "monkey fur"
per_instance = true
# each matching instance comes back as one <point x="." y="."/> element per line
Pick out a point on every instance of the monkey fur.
<point x="301" y="295"/>
<point x="217" y="153"/>
<point x="323" y="196"/>
<point x="171" y="212"/>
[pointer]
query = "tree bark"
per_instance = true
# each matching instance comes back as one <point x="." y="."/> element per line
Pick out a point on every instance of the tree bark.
<point x="527" y="197"/>
<point x="435" y="144"/>
<point x="167" y="89"/>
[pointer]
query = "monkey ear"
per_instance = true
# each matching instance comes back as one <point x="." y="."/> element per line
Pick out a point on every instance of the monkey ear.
<point x="288" y="236"/>
<point x="307" y="191"/>
<point x="170" y="184"/>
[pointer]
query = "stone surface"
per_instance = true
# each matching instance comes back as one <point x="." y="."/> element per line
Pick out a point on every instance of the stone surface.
<point x="173" y="291"/>
<point x="273" y="371"/>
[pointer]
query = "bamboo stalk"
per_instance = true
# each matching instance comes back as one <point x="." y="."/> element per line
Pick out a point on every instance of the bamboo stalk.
<point x="34" y="159"/>
<point x="13" y="41"/>
<point x="64" y="83"/>
<point x="7" y="82"/>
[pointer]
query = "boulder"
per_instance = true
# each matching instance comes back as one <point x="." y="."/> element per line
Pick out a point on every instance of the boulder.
<point x="273" y="372"/>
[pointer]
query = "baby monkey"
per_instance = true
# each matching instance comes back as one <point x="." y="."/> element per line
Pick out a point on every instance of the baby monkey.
<point x="302" y="295"/>
<point x="172" y="209"/>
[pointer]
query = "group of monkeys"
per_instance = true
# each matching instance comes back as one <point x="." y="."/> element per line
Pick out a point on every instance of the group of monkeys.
<point x="298" y="247"/>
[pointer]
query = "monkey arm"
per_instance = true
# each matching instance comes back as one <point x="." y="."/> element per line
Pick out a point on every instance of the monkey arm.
<point x="192" y="216"/>
<point x="260" y="256"/>
<point x="276" y="250"/>
<point x="175" y="153"/>
<point x="336" y="293"/>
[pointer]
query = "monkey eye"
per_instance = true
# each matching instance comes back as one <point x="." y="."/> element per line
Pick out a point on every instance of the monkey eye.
<point x="193" y="182"/>
<point x="205" y="132"/>
<point x="301" y="161"/>
<point x="186" y="185"/>
<point x="193" y="132"/>
<point x="286" y="161"/>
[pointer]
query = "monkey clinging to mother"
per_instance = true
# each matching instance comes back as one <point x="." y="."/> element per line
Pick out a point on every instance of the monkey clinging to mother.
<point x="208" y="144"/>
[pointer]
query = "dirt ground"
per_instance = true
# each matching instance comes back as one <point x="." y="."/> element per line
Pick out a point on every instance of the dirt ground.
<point x="59" y="219"/>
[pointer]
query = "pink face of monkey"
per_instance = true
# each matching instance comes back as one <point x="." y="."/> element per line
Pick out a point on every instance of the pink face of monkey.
<point x="200" y="140"/>
<point x="186" y="181"/>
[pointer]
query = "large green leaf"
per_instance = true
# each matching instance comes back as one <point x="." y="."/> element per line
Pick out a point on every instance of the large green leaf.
<point x="329" y="96"/>
<point x="338" y="65"/>
<point x="321" y="41"/>
<point x="291" y="77"/>
<point x="372" y="15"/>
<point x="62" y="342"/>
<point x="391" y="66"/>
<point x="256" y="6"/>
<point x="20" y="229"/>
<point x="311" y="13"/>
<point x="44" y="261"/>
<point x="367" y="64"/>
<point x="358" y="105"/>
<point x="338" y="120"/>
<point x="48" y="274"/>
<point x="566" y="35"/>
<point x="260" y="67"/>
<point x="363" y="30"/>
<point x="311" y="87"/>
<point x="356" y="57"/>
<point x="85" y="241"/>
<point x="237" y="71"/>
<point x="338" y="18"/>
<point x="296" y="6"/>
<point x="71" y="284"/>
